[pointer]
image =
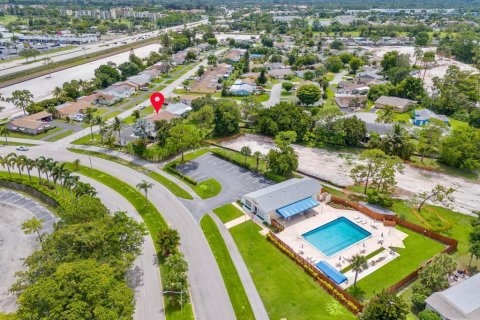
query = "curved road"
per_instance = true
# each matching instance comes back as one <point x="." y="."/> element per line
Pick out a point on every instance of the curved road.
<point x="209" y="295"/>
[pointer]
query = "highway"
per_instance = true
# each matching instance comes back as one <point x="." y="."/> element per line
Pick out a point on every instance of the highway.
<point x="18" y="65"/>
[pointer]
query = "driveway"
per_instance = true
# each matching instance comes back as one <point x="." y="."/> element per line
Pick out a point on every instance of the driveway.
<point x="236" y="181"/>
<point x="275" y="94"/>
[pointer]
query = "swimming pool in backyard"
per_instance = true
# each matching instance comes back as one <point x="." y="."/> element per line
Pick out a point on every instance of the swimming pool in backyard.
<point x="336" y="236"/>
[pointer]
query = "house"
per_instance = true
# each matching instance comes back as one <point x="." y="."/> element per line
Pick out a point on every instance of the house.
<point x="350" y="102"/>
<point x="241" y="88"/>
<point x="353" y="89"/>
<point x="233" y="56"/>
<point x="32" y="124"/>
<point x="459" y="302"/>
<point x="423" y="116"/>
<point x="141" y="79"/>
<point x="274" y="66"/>
<point x="178" y="109"/>
<point x="283" y="200"/>
<point x="114" y="94"/>
<point x="68" y="109"/>
<point x="371" y="124"/>
<point x="280" y="73"/>
<point x="209" y="81"/>
<point x="398" y="104"/>
<point x="162" y="67"/>
<point x="179" y="57"/>
<point x="153" y="72"/>
<point x="369" y="74"/>
<point x="161" y="115"/>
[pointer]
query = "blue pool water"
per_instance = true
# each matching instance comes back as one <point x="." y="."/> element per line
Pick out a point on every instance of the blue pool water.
<point x="335" y="236"/>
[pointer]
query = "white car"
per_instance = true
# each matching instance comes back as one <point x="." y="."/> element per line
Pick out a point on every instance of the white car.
<point x="78" y="117"/>
<point x="22" y="148"/>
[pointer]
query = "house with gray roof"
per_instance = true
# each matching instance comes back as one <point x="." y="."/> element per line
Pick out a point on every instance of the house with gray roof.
<point x="398" y="104"/>
<point x="422" y="117"/>
<point x="370" y="123"/>
<point x="459" y="302"/>
<point x="141" y="79"/>
<point x="283" y="200"/>
<point x="178" y="109"/>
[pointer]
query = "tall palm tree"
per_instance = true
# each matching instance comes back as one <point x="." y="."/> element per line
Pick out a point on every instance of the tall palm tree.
<point x="4" y="163"/>
<point x="117" y="126"/>
<point x="4" y="132"/>
<point x="358" y="263"/>
<point x="40" y="163"/>
<point x="49" y="165"/>
<point x="258" y="156"/>
<point x="29" y="165"/>
<point x="99" y="121"/>
<point x="82" y="189"/>
<point x="21" y="162"/>
<point x="12" y="161"/>
<point x="64" y="176"/>
<point x="58" y="92"/>
<point x="145" y="185"/>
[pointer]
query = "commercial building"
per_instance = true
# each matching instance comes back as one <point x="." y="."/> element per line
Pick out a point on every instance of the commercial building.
<point x="283" y="200"/>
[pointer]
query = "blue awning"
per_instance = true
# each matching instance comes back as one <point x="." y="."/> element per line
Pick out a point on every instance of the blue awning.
<point x="297" y="207"/>
<point x="331" y="272"/>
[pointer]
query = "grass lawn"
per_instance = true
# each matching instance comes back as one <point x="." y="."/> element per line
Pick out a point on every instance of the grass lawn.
<point x="11" y="143"/>
<point x="228" y="212"/>
<point x="418" y="249"/>
<point x="87" y="140"/>
<point x="443" y="221"/>
<point x="286" y="290"/>
<point x="6" y="19"/>
<point x="170" y="185"/>
<point x="33" y="137"/>
<point x="236" y="292"/>
<point x="403" y="117"/>
<point x="151" y="216"/>
<point x="208" y="188"/>
<point x="60" y="136"/>
<point x="112" y="114"/>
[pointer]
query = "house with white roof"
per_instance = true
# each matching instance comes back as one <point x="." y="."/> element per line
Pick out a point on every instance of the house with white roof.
<point x="178" y="109"/>
<point x="460" y="302"/>
<point x="283" y="200"/>
<point x="241" y="88"/>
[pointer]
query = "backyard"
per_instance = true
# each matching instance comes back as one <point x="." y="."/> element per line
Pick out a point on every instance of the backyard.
<point x="286" y="290"/>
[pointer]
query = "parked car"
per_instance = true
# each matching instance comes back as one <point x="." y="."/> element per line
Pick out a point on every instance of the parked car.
<point x="143" y="89"/>
<point x="141" y="107"/>
<point x="22" y="148"/>
<point x="78" y="117"/>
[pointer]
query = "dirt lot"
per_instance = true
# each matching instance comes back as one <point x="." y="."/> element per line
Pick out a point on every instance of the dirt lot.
<point x="437" y="71"/>
<point x="333" y="166"/>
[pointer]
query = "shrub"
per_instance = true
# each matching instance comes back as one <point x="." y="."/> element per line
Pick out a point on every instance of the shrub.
<point x="287" y="86"/>
<point x="428" y="315"/>
<point x="418" y="301"/>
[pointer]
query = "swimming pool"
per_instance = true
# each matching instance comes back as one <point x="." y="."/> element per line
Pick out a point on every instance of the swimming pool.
<point x="335" y="236"/>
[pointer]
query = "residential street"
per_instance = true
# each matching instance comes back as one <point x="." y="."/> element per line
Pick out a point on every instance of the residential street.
<point x="209" y="295"/>
<point x="275" y="94"/>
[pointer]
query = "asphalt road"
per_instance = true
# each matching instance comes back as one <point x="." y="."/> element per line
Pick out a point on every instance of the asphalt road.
<point x="209" y="295"/>
<point x="18" y="65"/>
<point x="236" y="181"/>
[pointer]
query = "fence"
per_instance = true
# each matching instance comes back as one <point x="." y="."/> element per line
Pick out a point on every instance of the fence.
<point x="390" y="220"/>
<point x="331" y="287"/>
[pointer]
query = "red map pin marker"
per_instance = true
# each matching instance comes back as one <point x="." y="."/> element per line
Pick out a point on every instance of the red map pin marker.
<point x="157" y="99"/>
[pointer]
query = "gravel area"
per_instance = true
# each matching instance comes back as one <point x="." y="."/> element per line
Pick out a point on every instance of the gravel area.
<point x="333" y="166"/>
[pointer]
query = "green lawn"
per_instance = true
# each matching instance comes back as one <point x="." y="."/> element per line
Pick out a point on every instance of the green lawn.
<point x="60" y="136"/>
<point x="228" y="212"/>
<point x="208" y="188"/>
<point x="11" y="143"/>
<point x="151" y="216"/>
<point x="286" y="290"/>
<point x="170" y="185"/>
<point x="6" y="19"/>
<point x="87" y="140"/>
<point x="443" y="221"/>
<point x="236" y="292"/>
<point x="418" y="249"/>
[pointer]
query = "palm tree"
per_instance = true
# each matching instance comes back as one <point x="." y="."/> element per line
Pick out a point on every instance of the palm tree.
<point x="99" y="121"/>
<point x="358" y="263"/>
<point x="82" y="188"/>
<point x="76" y="164"/>
<point x="29" y="165"/>
<point x="4" y="163"/>
<point x="21" y="162"/>
<point x="258" y="156"/>
<point x="57" y="171"/>
<point x="40" y="163"/>
<point x="12" y="161"/>
<point x="117" y="126"/>
<point x="145" y="185"/>
<point x="49" y="165"/>
<point x="246" y="152"/>
<point x="65" y="177"/>
<point x="57" y="92"/>
<point x="4" y="132"/>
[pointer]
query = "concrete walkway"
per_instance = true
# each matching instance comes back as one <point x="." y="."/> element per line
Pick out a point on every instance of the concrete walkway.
<point x="252" y="294"/>
<point x="237" y="221"/>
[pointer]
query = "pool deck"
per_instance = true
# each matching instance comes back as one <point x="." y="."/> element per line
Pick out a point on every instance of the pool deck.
<point x="324" y="214"/>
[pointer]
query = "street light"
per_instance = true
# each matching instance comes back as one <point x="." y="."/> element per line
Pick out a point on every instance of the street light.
<point x="177" y="292"/>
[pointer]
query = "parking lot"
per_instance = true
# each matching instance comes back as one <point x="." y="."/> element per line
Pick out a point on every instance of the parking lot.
<point x="236" y="181"/>
<point x="15" y="245"/>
